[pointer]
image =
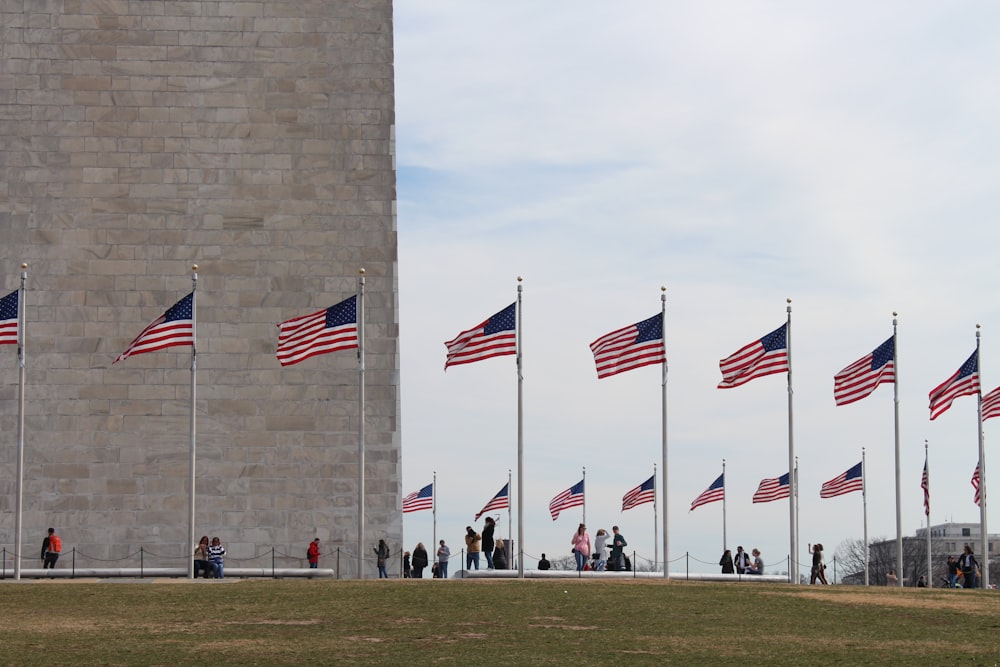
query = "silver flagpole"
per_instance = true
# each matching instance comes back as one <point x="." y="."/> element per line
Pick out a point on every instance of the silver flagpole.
<point x="21" y="339"/>
<point x="724" y="541"/>
<point x="927" y="468"/>
<point x="520" y="436"/>
<point x="434" y="515"/>
<point x="899" y="493"/>
<point x="793" y="574"/>
<point x="584" y="495"/>
<point x="663" y="438"/>
<point x="864" y="510"/>
<point x="360" y="317"/>
<point x="192" y="457"/>
<point x="984" y="567"/>
<point x="510" y="523"/>
<point x="796" y="475"/>
<point x="656" y="547"/>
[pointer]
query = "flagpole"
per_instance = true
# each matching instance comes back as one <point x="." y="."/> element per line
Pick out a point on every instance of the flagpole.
<point x="864" y="511"/>
<point x="520" y="436"/>
<point x="510" y="523"/>
<point x="724" y="541"/>
<point x="663" y="437"/>
<point x="796" y="475"/>
<point x="434" y="518"/>
<point x="984" y="567"/>
<point x="792" y="489"/>
<point x="656" y="546"/>
<point x="899" y="493"/>
<point x="361" y="422"/>
<point x="930" y="579"/>
<point x="21" y="339"/>
<point x="192" y="449"/>
<point x="584" y="495"/>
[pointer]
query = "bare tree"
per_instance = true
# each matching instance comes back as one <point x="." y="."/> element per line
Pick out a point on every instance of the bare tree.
<point x="850" y="555"/>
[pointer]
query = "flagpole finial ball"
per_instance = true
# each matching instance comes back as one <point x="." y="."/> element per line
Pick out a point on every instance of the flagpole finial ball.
<point x="361" y="271"/>
<point x="895" y="314"/>
<point x="663" y="288"/>
<point x="24" y="265"/>
<point x="194" y="267"/>
<point x="519" y="279"/>
<point x="788" y="300"/>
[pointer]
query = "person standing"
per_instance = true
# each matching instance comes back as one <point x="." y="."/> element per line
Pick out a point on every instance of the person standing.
<point x="741" y="561"/>
<point x="601" y="549"/>
<point x="487" y="541"/>
<point x="581" y="547"/>
<point x="201" y="559"/>
<point x="419" y="560"/>
<point x="407" y="570"/>
<point x="543" y="563"/>
<point x="618" y="545"/>
<point x="726" y="562"/>
<point x="970" y="568"/>
<point x="312" y="554"/>
<point x="952" y="572"/>
<point x="443" y="554"/>
<point x="51" y="548"/>
<point x="818" y="570"/>
<point x="215" y="553"/>
<point x="382" y="556"/>
<point x="473" y="545"/>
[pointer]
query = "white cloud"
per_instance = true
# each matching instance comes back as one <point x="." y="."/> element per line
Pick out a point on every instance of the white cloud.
<point x="738" y="154"/>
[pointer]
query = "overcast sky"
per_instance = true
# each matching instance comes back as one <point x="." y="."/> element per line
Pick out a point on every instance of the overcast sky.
<point x="843" y="155"/>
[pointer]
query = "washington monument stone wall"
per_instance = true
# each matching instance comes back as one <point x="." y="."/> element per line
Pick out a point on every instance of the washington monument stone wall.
<point x="255" y="139"/>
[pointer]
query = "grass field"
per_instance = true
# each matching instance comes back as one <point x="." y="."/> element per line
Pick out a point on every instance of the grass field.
<point x="499" y="622"/>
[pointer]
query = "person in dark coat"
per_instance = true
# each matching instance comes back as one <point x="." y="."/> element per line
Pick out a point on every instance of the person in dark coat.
<point x="419" y="560"/>
<point x="499" y="555"/>
<point x="488" y="543"/>
<point x="726" y="562"/>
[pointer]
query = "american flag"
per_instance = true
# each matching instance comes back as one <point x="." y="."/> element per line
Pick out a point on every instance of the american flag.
<point x="761" y="357"/>
<point x="495" y="337"/>
<point x="964" y="382"/>
<point x="329" y="330"/>
<point x="925" y="484"/>
<point x="975" y="484"/>
<point x="644" y="493"/>
<point x="846" y="482"/>
<point x="500" y="501"/>
<point x="991" y="404"/>
<point x="174" y="327"/>
<point x="772" y="489"/>
<point x="419" y="500"/>
<point x="639" y="344"/>
<point x="860" y="378"/>
<point x="716" y="491"/>
<point x="571" y="497"/>
<point x="8" y="319"/>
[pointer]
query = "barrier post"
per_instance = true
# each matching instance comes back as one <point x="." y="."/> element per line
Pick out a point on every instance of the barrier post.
<point x="142" y="563"/>
<point x="272" y="563"/>
<point x="338" y="562"/>
<point x="73" y="559"/>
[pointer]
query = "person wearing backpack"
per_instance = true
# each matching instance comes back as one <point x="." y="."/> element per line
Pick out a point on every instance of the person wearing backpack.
<point x="51" y="548"/>
<point x="312" y="555"/>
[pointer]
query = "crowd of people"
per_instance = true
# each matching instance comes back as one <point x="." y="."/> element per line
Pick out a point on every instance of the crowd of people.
<point x="741" y="563"/>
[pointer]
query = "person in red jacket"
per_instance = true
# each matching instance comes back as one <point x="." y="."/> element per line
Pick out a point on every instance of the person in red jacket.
<point x="313" y="553"/>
